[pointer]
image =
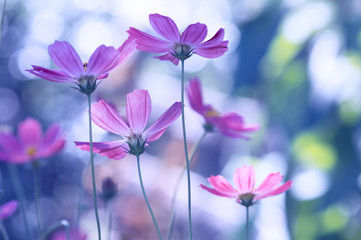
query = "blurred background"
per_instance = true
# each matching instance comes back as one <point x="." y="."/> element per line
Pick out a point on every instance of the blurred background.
<point x="293" y="67"/>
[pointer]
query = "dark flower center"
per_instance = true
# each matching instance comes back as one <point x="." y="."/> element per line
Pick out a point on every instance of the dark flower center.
<point x="182" y="51"/>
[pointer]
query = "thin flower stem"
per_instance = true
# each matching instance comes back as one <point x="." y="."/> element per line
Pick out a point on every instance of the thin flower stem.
<point x="247" y="222"/>
<point x="62" y="223"/>
<point x="14" y="175"/>
<point x="194" y="151"/>
<point x="93" y="171"/>
<point x="146" y="199"/>
<point x="37" y="190"/>
<point x="3" y="231"/>
<point x="187" y="159"/>
<point x="2" y="21"/>
<point x="109" y="218"/>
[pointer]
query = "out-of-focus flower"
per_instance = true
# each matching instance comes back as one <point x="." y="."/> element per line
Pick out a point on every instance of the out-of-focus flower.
<point x="7" y="209"/>
<point x="109" y="189"/>
<point x="74" y="234"/>
<point x="245" y="193"/>
<point x="132" y="131"/>
<point x="230" y="124"/>
<point x="72" y="69"/>
<point x="30" y="144"/>
<point x="176" y="45"/>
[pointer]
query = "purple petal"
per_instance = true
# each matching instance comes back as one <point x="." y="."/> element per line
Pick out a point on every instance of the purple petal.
<point x="7" y="209"/>
<point x="52" y="143"/>
<point x="221" y="185"/>
<point x="9" y="143"/>
<point x="244" y="179"/>
<point x="138" y="110"/>
<point x="156" y="130"/>
<point x="30" y="132"/>
<point x="51" y="75"/>
<point x="194" y="34"/>
<point x="212" y="51"/>
<point x="164" y="26"/>
<point x="215" y="40"/>
<point x="66" y="58"/>
<point x="168" y="57"/>
<point x="127" y="49"/>
<point x="114" y="149"/>
<point x="107" y="118"/>
<point x="148" y="43"/>
<point x="103" y="60"/>
<point x="194" y="94"/>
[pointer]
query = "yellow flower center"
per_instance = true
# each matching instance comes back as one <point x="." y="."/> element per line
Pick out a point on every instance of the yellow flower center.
<point x="31" y="151"/>
<point x="85" y="65"/>
<point x="212" y="113"/>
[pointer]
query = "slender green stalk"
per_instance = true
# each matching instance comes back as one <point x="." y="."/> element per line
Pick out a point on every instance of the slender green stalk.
<point x="3" y="231"/>
<point x="37" y="190"/>
<point x="2" y="21"/>
<point x="247" y="222"/>
<point x="62" y="223"/>
<point x="174" y="197"/>
<point x="146" y="199"/>
<point x="14" y="175"/>
<point x="187" y="159"/>
<point x="93" y="171"/>
<point x="109" y="218"/>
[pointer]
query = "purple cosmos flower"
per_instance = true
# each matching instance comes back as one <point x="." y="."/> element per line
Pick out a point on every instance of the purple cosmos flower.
<point x="245" y="193"/>
<point x="230" y="124"/>
<point x="179" y="46"/>
<point x="134" y="137"/>
<point x="72" y="69"/>
<point x="7" y="209"/>
<point x="30" y="144"/>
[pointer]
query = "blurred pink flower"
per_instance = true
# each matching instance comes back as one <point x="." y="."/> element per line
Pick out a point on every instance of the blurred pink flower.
<point x="230" y="124"/>
<point x="72" y="69"/>
<point x="245" y="192"/>
<point x="176" y="45"/>
<point x="132" y="131"/>
<point x="7" y="209"/>
<point x="30" y="144"/>
<point x="73" y="235"/>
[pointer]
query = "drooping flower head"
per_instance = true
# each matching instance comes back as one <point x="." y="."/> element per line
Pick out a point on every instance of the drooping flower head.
<point x="85" y="75"/>
<point x="179" y="46"/>
<point x="8" y="209"/>
<point x="134" y="136"/>
<point x="230" y="124"/>
<point x="245" y="192"/>
<point x="30" y="144"/>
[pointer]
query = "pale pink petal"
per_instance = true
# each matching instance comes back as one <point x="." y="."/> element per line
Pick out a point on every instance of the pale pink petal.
<point x="102" y="76"/>
<point x="221" y="185"/>
<point x="194" y="94"/>
<point x="114" y="149"/>
<point x="164" y="26"/>
<point x="168" y="57"/>
<point x="103" y="60"/>
<point x="194" y="34"/>
<point x="244" y="179"/>
<point x="215" y="40"/>
<point x="66" y="58"/>
<point x="107" y="118"/>
<point x="213" y="51"/>
<point x="281" y="189"/>
<point x="271" y="181"/>
<point x="127" y="49"/>
<point x="148" y="43"/>
<point x="138" y="110"/>
<point x="7" y="209"/>
<point x="215" y="192"/>
<point x="51" y="75"/>
<point x="30" y="132"/>
<point x="168" y="117"/>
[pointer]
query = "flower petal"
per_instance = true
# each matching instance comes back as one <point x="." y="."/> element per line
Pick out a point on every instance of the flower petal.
<point x="51" y="75"/>
<point x="281" y="189"/>
<point x="127" y="49"/>
<point x="194" y="34"/>
<point x="9" y="143"/>
<point x="52" y="142"/>
<point x="107" y="118"/>
<point x="156" y="130"/>
<point x="271" y="181"/>
<point x="66" y="58"/>
<point x="30" y="132"/>
<point x="215" y="40"/>
<point x="222" y="186"/>
<point x="148" y="43"/>
<point x="164" y="26"/>
<point x="7" y="209"/>
<point x="114" y="149"/>
<point x="212" y="51"/>
<point x="168" y="57"/>
<point x="215" y="192"/>
<point x="138" y="110"/>
<point x="103" y="60"/>
<point x="244" y="179"/>
<point x="194" y="93"/>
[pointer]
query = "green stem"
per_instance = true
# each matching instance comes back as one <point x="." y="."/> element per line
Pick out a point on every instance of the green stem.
<point x="194" y="150"/>
<point x="3" y="231"/>
<point x="62" y="223"/>
<point x="93" y="171"/>
<point x="2" y="21"/>
<point x="14" y="175"/>
<point x="37" y="190"/>
<point x="247" y="222"/>
<point x="109" y="221"/>
<point x="146" y="199"/>
<point x="187" y="159"/>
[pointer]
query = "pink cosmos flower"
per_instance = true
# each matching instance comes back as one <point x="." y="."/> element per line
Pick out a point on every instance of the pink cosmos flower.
<point x="72" y="69"/>
<point x="132" y="131"/>
<point x="230" y="124"/>
<point x="179" y="46"/>
<point x="30" y="144"/>
<point x="245" y="193"/>
<point x="7" y="209"/>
